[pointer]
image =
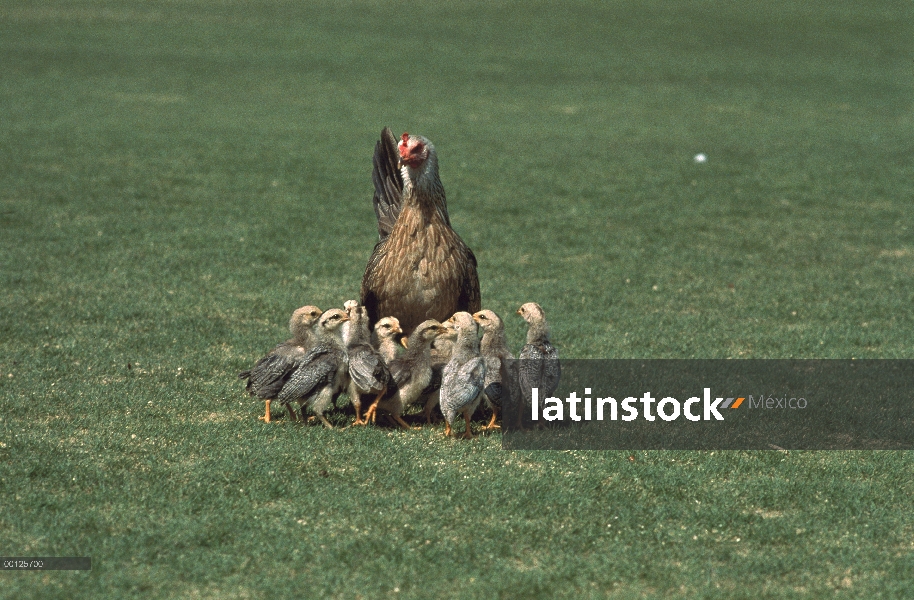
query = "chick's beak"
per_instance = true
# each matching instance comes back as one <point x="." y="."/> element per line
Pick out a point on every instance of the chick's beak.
<point x="404" y="341"/>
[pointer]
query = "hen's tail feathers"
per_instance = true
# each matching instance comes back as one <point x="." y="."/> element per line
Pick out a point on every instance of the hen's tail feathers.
<point x="388" y="183"/>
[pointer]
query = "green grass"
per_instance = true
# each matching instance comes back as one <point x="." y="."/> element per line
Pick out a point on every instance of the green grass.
<point x="177" y="177"/>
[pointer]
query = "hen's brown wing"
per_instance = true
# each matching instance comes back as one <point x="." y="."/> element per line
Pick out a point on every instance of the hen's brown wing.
<point x="372" y="281"/>
<point x="388" y="183"/>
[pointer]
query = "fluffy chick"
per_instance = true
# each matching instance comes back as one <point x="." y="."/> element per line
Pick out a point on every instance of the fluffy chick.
<point x="464" y="376"/>
<point x="321" y="375"/>
<point x="494" y="350"/>
<point x="385" y="338"/>
<point x="368" y="372"/>
<point x="410" y="373"/>
<point x="269" y="374"/>
<point x="538" y="365"/>
<point x="440" y="355"/>
<point x="346" y="328"/>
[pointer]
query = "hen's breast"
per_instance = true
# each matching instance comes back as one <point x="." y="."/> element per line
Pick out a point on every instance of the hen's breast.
<point x="423" y="266"/>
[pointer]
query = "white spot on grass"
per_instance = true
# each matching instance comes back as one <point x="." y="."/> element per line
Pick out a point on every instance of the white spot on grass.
<point x="701" y="157"/>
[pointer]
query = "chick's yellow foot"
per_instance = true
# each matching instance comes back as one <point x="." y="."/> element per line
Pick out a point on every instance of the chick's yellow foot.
<point x="492" y="424"/>
<point x="358" y="417"/>
<point x="371" y="412"/>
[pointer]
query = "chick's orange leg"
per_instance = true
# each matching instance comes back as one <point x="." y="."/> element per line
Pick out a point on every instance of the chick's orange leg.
<point x="266" y="413"/>
<point x="370" y="412"/>
<point x="373" y="409"/>
<point x="492" y="424"/>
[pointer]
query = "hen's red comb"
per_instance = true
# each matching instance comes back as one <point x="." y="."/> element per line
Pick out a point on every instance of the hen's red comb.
<point x="405" y="136"/>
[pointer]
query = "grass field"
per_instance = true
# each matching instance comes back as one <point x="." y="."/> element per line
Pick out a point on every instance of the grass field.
<point x="177" y="177"/>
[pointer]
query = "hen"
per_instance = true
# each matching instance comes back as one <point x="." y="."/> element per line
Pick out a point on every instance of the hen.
<point x="420" y="268"/>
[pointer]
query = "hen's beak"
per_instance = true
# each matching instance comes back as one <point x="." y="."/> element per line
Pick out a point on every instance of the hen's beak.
<point x="404" y="341"/>
<point x="519" y="312"/>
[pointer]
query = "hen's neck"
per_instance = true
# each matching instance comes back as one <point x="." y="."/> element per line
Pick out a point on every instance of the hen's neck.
<point x="422" y="189"/>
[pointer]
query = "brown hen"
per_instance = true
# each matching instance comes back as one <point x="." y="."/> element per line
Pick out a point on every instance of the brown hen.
<point x="420" y="268"/>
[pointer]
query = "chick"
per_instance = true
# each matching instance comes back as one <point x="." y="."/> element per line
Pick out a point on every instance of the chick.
<point x="270" y="373"/>
<point x="384" y="338"/>
<point x="320" y="376"/>
<point x="346" y="328"/>
<point x="440" y="355"/>
<point x="368" y="373"/>
<point x="464" y="376"/>
<point x="538" y="365"/>
<point x="410" y="373"/>
<point x="494" y="350"/>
